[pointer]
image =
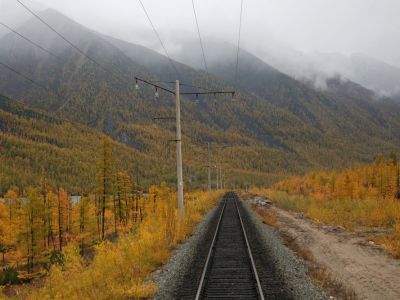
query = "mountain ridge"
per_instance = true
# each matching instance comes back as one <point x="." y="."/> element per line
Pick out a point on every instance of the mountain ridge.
<point x="279" y="125"/>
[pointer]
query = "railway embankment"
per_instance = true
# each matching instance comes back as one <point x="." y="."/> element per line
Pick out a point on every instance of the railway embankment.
<point x="282" y="274"/>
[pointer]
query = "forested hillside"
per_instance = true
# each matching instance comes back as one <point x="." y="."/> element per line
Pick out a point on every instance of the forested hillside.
<point x="277" y="126"/>
<point x="36" y="145"/>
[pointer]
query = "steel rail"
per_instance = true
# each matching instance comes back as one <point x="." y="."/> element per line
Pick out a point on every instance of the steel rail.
<point x="260" y="292"/>
<point x="203" y="275"/>
<point x="211" y="250"/>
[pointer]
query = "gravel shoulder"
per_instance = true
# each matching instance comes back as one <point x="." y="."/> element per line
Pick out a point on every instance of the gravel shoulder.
<point x="291" y="269"/>
<point x="351" y="258"/>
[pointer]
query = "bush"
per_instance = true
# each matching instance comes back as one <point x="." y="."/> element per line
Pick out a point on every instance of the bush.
<point x="9" y="276"/>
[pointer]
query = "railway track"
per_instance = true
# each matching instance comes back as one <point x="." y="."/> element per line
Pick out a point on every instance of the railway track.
<point x="229" y="271"/>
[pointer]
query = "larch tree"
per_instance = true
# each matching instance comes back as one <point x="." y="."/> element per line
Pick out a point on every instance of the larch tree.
<point x="105" y="181"/>
<point x="7" y="236"/>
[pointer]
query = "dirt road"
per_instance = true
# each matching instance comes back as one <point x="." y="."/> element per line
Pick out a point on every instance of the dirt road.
<point x="351" y="259"/>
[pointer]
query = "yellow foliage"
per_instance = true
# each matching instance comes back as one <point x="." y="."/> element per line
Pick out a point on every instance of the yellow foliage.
<point x="362" y="196"/>
<point x="119" y="270"/>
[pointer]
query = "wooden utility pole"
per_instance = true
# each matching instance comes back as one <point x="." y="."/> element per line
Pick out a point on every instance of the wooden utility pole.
<point x="220" y="177"/>
<point x="216" y="167"/>
<point x="177" y="94"/>
<point x="179" y="150"/>
<point x="209" y="168"/>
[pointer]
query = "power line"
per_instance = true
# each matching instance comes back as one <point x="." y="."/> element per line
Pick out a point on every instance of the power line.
<point x="66" y="40"/>
<point x="32" y="42"/>
<point x="159" y="39"/>
<point x="238" y="45"/>
<point x="43" y="49"/>
<point x="14" y="100"/>
<point x="29" y="79"/>
<point x="200" y="40"/>
<point x="82" y="52"/>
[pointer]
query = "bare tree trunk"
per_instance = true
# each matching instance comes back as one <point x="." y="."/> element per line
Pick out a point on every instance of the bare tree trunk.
<point x="60" y="238"/>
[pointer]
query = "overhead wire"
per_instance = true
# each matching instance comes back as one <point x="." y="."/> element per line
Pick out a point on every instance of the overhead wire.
<point x="67" y="40"/>
<point x="69" y="43"/>
<point x="200" y="40"/>
<point x="19" y="101"/>
<point x="86" y="55"/>
<point x="159" y="39"/>
<point x="32" y="42"/>
<point x="29" y="79"/>
<point x="238" y="44"/>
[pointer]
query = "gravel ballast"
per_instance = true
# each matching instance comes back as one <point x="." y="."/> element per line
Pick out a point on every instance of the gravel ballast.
<point x="170" y="277"/>
<point x="179" y="277"/>
<point x="291" y="269"/>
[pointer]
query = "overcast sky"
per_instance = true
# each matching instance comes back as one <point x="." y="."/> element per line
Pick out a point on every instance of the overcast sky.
<point x="343" y="26"/>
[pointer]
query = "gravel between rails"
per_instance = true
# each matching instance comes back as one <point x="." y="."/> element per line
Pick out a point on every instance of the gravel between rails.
<point x="291" y="269"/>
<point x="178" y="279"/>
<point x="170" y="277"/>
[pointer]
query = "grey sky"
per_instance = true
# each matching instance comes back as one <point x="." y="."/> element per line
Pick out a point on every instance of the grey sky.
<point x="344" y="26"/>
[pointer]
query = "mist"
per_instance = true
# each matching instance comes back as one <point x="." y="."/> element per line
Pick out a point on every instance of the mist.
<point x="309" y="39"/>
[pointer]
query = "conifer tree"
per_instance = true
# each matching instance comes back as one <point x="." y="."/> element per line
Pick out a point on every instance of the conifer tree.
<point x="7" y="237"/>
<point x="105" y="181"/>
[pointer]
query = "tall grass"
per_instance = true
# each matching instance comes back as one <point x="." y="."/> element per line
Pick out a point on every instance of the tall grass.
<point x="349" y="213"/>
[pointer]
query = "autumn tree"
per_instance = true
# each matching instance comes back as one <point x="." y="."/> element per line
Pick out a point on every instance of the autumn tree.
<point x="105" y="181"/>
<point x="123" y="198"/>
<point x="33" y="229"/>
<point x="7" y="237"/>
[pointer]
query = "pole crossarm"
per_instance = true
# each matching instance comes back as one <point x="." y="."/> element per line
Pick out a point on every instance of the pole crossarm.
<point x="155" y="85"/>
<point x="137" y="79"/>
<point x="209" y="93"/>
<point x="164" y="118"/>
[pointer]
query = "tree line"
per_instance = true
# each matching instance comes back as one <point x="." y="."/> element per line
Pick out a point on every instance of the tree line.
<point x="37" y="222"/>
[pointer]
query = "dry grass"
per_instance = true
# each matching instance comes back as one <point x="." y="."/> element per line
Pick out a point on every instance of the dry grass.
<point x="267" y="216"/>
<point x="347" y="212"/>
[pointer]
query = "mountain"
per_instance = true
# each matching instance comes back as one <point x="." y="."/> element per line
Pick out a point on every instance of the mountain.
<point x="317" y="68"/>
<point x="279" y="126"/>
<point x="34" y="143"/>
<point x="14" y="15"/>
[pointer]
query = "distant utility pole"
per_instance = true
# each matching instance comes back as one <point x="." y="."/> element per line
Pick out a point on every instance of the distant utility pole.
<point x="179" y="148"/>
<point x="209" y="167"/>
<point x="216" y="167"/>
<point x="178" y="140"/>
<point x="221" y="186"/>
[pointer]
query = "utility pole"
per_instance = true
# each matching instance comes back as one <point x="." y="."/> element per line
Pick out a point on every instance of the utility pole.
<point x="209" y="167"/>
<point x="179" y="149"/>
<point x="220" y="177"/>
<point x="216" y="167"/>
<point x="178" y="140"/>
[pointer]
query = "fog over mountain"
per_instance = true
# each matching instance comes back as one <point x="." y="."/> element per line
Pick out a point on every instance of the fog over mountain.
<point x="311" y="40"/>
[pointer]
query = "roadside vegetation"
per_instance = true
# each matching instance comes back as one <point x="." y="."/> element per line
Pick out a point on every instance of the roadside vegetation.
<point x="356" y="198"/>
<point x="99" y="244"/>
<point x="119" y="269"/>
